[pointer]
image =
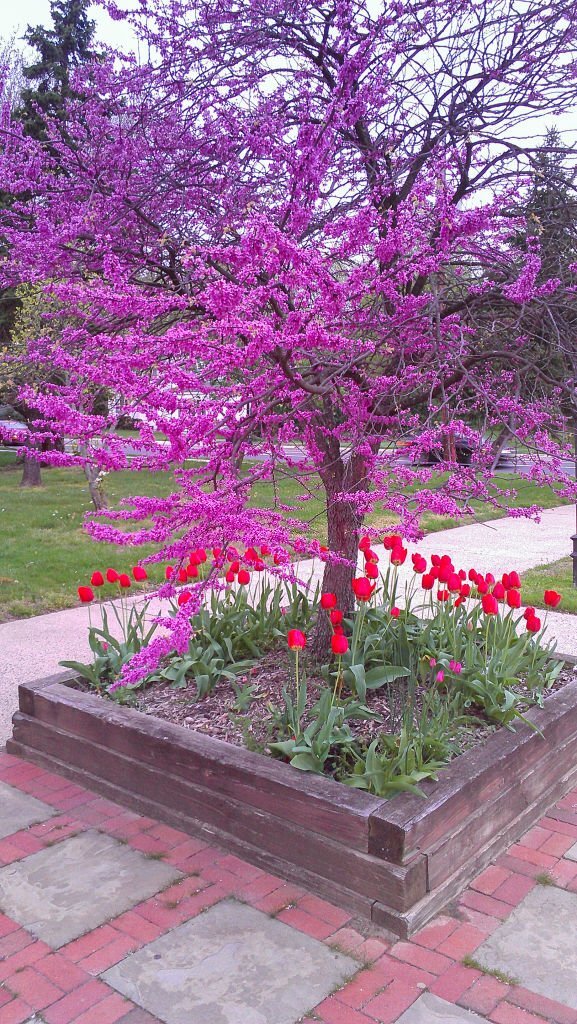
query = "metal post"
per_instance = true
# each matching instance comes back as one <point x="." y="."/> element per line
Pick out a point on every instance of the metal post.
<point x="574" y="536"/>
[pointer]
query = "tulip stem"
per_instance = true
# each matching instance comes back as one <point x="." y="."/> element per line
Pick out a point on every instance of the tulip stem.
<point x="297" y="688"/>
<point x="337" y="680"/>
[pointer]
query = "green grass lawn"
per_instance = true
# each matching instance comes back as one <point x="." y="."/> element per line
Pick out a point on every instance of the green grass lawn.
<point x="45" y="554"/>
<point x="555" y="576"/>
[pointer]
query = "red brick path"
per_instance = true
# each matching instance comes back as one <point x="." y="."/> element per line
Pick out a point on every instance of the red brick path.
<point x="64" y="987"/>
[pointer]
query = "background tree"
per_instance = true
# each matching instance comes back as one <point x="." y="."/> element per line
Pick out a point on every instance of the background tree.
<point x="11" y="83"/>
<point x="313" y="200"/>
<point x="61" y="49"/>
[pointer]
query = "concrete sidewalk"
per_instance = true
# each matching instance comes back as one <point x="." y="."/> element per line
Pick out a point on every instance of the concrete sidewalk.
<point x="31" y="648"/>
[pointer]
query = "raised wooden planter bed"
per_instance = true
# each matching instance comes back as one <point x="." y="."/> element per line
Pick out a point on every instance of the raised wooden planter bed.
<point x="397" y="862"/>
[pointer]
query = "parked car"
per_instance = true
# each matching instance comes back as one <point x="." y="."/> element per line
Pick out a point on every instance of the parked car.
<point x="12" y="427"/>
<point x="464" y="450"/>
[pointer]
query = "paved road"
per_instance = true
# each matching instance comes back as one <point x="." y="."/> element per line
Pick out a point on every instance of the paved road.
<point x="30" y="648"/>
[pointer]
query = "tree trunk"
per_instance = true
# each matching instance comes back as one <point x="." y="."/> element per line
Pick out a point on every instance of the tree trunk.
<point x="31" y="474"/>
<point x="95" y="488"/>
<point x="344" y="525"/>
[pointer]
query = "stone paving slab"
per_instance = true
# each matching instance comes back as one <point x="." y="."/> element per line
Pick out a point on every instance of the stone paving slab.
<point x="18" y="811"/>
<point x="537" y="944"/>
<point x="231" y="965"/>
<point x="572" y="853"/>
<point x="429" y="1009"/>
<point x="72" y="887"/>
<point x="423" y="980"/>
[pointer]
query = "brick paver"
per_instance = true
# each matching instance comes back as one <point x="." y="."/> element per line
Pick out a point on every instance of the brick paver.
<point x="65" y="987"/>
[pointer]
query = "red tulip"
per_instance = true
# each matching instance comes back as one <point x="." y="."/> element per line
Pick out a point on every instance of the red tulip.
<point x="395" y="612"/>
<point x="363" y="588"/>
<point x="372" y="571"/>
<point x="243" y="577"/>
<point x="371" y="556"/>
<point x="533" y="623"/>
<point x="462" y="574"/>
<point x="217" y="553"/>
<point x="339" y="643"/>
<point x="514" y="579"/>
<point x="489" y="578"/>
<point x="528" y="613"/>
<point x="169" y="572"/>
<point x="85" y="594"/>
<point x="454" y="582"/>
<point x="393" y="541"/>
<point x="184" y="597"/>
<point x="259" y="565"/>
<point x="250" y="555"/>
<point x="336" y="616"/>
<point x="427" y="581"/>
<point x="458" y="601"/>
<point x="435" y="560"/>
<point x="552" y="598"/>
<point x="443" y="595"/>
<point x="97" y="579"/>
<point x="465" y="590"/>
<point x="490" y="604"/>
<point x="139" y="573"/>
<point x="280" y="557"/>
<point x="124" y="580"/>
<point x="434" y="571"/>
<point x="192" y="571"/>
<point x="200" y="554"/>
<point x="514" y="598"/>
<point x="419" y="563"/>
<point x="230" y="577"/>
<point x="445" y="571"/>
<point x="193" y="558"/>
<point x="234" y="566"/>
<point x="473" y="575"/>
<point x="328" y="601"/>
<point x="182" y="576"/>
<point x="505" y="580"/>
<point x="338" y="629"/>
<point x="398" y="555"/>
<point x="498" y="591"/>
<point x="482" y="587"/>
<point x="265" y="550"/>
<point x="112" y="575"/>
<point x="364" y="543"/>
<point x="296" y="640"/>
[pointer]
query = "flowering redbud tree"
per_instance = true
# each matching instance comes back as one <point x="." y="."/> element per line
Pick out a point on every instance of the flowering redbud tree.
<point x="289" y="232"/>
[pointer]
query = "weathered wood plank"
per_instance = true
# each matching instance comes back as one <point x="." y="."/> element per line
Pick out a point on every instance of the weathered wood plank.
<point x="407" y="824"/>
<point x="321" y="804"/>
<point x="406" y="923"/>
<point x="342" y="865"/>
<point x="284" y="869"/>
<point x="490" y="818"/>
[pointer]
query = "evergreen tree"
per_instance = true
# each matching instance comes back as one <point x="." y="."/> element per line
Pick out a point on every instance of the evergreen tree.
<point x="552" y="218"/>
<point x="60" y="49"/>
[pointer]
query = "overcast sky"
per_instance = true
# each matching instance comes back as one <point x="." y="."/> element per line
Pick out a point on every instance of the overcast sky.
<point x="16" y="15"/>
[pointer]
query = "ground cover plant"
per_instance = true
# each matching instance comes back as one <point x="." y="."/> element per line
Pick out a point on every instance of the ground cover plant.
<point x="296" y="226"/>
<point x="409" y="679"/>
